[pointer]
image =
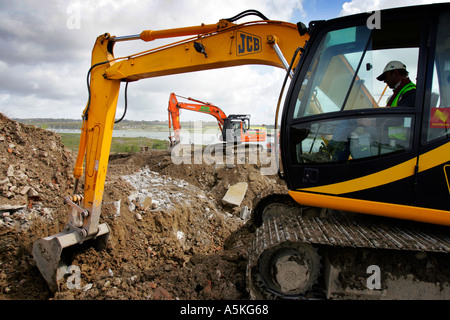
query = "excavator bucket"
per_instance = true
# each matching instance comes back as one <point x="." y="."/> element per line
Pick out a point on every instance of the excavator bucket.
<point x="52" y="254"/>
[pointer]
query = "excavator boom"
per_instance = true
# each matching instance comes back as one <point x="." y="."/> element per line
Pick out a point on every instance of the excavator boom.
<point x="260" y="42"/>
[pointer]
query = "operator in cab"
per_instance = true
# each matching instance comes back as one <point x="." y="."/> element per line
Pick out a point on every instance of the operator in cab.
<point x="396" y="77"/>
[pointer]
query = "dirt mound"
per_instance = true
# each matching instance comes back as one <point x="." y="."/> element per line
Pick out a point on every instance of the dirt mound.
<point x="171" y="235"/>
<point x="35" y="172"/>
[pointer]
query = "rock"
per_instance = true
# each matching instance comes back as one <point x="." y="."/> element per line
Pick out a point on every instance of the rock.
<point x="20" y="176"/>
<point x="147" y="203"/>
<point x="46" y="212"/>
<point x="245" y="213"/>
<point x="25" y="190"/>
<point x="138" y="216"/>
<point x="235" y="194"/>
<point x="117" y="207"/>
<point x="160" y="293"/>
<point x="10" y="208"/>
<point x="32" y="192"/>
<point x="10" y="171"/>
<point x="155" y="204"/>
<point x="117" y="281"/>
<point x="87" y="287"/>
<point x="8" y="195"/>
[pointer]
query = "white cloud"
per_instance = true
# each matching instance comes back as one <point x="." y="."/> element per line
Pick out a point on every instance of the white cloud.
<point x="46" y="48"/>
<point x="359" y="6"/>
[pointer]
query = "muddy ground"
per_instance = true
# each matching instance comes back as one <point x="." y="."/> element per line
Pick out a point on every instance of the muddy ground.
<point x="171" y="235"/>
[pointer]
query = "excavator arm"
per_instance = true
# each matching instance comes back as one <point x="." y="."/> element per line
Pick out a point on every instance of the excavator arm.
<point x="224" y="44"/>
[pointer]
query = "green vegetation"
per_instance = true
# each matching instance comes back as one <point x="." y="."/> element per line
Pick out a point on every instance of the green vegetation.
<point x="70" y="140"/>
<point x="156" y="125"/>
<point x="122" y="144"/>
<point x="118" y="145"/>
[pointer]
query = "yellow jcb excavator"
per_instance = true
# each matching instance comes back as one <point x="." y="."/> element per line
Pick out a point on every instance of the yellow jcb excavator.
<point x="219" y="45"/>
<point x="368" y="211"/>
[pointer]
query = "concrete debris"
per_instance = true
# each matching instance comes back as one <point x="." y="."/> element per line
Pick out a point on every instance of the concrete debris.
<point x="245" y="213"/>
<point x="235" y="194"/>
<point x="154" y="191"/>
<point x="11" y="208"/>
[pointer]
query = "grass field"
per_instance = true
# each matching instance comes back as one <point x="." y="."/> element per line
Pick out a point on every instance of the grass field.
<point x="120" y="144"/>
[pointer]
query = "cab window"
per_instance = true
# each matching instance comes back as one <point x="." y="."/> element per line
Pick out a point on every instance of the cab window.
<point x="437" y="124"/>
<point x="342" y="78"/>
<point x="351" y="138"/>
<point x="342" y="74"/>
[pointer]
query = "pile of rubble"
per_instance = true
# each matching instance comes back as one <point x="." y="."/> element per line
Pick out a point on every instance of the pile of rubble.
<point x="174" y="234"/>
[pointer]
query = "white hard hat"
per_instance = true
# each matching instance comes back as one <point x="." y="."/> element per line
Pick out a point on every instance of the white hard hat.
<point x="392" y="65"/>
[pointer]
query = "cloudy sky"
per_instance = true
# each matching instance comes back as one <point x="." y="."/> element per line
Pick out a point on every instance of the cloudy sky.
<point x="46" y="47"/>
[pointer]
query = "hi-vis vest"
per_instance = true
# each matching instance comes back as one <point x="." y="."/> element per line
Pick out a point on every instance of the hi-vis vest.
<point x="400" y="132"/>
<point x="408" y="87"/>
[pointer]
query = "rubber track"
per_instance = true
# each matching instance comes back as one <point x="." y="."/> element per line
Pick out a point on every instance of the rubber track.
<point x="359" y="231"/>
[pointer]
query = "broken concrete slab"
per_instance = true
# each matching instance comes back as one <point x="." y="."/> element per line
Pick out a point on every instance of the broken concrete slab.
<point x="235" y="194"/>
<point x="12" y="208"/>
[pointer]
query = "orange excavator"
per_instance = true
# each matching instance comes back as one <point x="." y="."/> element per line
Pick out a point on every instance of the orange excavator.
<point x="235" y="128"/>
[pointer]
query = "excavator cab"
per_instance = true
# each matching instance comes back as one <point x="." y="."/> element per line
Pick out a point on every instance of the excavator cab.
<point x="339" y="140"/>
<point x="234" y="128"/>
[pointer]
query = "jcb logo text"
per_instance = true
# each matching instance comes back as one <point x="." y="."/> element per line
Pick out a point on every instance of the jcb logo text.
<point x="247" y="43"/>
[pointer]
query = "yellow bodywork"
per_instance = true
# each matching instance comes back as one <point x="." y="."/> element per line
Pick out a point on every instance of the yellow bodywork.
<point x="334" y="194"/>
